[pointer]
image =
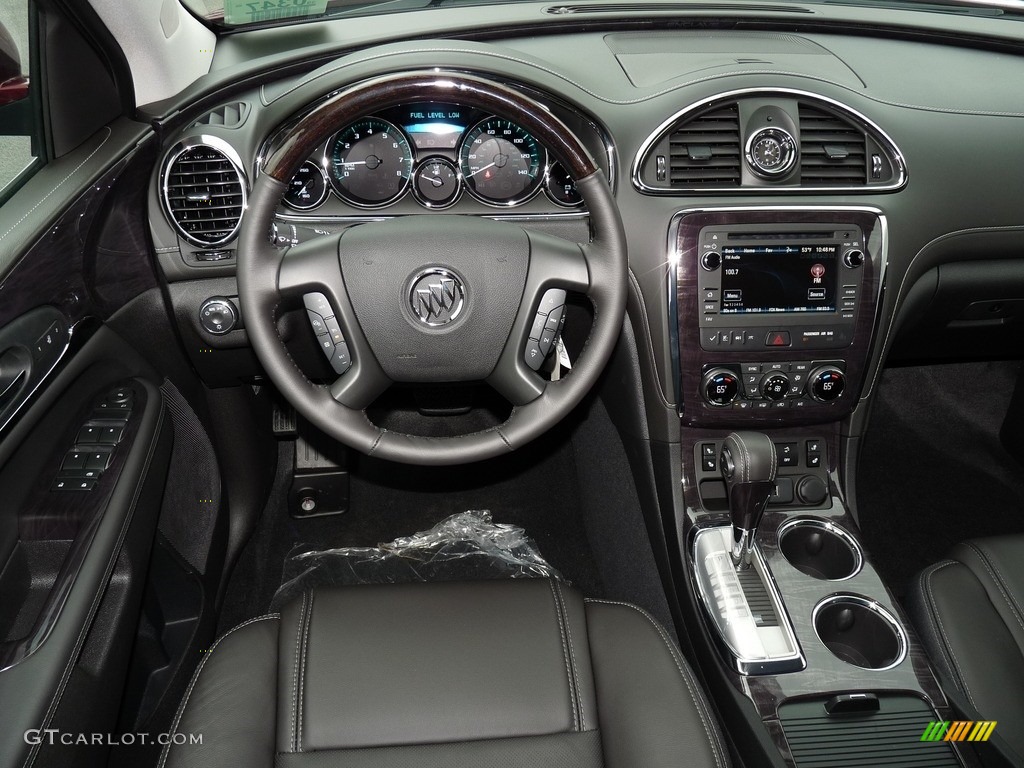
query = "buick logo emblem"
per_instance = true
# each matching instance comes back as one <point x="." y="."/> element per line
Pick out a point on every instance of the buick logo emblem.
<point x="437" y="297"/>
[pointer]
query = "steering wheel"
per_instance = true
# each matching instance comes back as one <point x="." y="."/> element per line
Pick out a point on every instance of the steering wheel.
<point x="489" y="278"/>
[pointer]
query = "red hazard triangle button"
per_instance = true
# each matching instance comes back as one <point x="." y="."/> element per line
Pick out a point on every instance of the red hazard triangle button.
<point x="777" y="339"/>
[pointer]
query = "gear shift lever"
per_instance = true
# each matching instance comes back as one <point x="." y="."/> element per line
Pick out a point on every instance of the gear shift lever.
<point x="748" y="465"/>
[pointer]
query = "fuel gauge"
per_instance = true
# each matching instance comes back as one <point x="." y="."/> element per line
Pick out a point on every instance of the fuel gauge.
<point x="437" y="183"/>
<point x="561" y="188"/>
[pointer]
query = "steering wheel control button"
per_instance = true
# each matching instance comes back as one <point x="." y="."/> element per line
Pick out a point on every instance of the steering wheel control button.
<point x="778" y="339"/>
<point x="533" y="356"/>
<point x="318" y="303"/>
<point x="317" y="323"/>
<point x="326" y="345"/>
<point x="328" y="332"/>
<point x="334" y="330"/>
<point x="218" y="316"/>
<point x="547" y="324"/>
<point x="553" y="297"/>
<point x="437" y="297"/>
<point x="342" y="359"/>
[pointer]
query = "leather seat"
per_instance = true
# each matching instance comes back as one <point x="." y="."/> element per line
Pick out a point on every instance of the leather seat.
<point x="969" y="612"/>
<point x="440" y="675"/>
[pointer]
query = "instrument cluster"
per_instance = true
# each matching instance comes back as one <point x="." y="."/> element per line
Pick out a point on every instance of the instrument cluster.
<point x="435" y="152"/>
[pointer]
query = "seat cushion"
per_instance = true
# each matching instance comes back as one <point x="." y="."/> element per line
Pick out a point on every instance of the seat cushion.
<point x="969" y="612"/>
<point x="502" y="673"/>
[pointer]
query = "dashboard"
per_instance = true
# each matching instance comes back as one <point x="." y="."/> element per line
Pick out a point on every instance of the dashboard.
<point x="790" y="138"/>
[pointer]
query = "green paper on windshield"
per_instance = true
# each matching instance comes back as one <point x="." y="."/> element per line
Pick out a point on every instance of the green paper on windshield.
<point x="255" y="11"/>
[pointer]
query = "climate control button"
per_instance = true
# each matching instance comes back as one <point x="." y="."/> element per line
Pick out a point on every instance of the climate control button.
<point x="826" y="383"/>
<point x="721" y="386"/>
<point x="775" y="386"/>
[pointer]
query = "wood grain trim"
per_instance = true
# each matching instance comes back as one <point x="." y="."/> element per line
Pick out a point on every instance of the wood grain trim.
<point x="301" y="139"/>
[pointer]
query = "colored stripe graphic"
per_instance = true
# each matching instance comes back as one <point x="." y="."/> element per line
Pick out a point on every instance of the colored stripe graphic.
<point x="959" y="730"/>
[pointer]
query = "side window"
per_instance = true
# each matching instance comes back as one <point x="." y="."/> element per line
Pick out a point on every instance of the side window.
<point x="20" y="150"/>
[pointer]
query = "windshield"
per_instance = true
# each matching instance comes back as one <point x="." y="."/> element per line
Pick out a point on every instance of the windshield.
<point x="240" y="13"/>
<point x="229" y="14"/>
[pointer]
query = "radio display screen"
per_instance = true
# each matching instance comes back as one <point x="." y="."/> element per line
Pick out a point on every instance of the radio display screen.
<point x="779" y="278"/>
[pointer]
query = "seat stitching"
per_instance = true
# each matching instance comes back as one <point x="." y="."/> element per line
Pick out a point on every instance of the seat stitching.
<point x="295" y="670"/>
<point x="922" y="586"/>
<point x="572" y="657"/>
<point x="302" y="672"/>
<point x="700" y="705"/>
<point x="934" y="612"/>
<point x="999" y="581"/>
<point x="565" y="653"/>
<point x="195" y="679"/>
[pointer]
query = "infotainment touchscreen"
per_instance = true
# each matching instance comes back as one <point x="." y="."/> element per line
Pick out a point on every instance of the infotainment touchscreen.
<point x="784" y="277"/>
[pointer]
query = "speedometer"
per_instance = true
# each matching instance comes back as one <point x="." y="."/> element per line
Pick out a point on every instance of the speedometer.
<point x="370" y="163"/>
<point x="501" y="163"/>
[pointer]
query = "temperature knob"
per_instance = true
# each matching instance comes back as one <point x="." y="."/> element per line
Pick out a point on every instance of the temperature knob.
<point x="774" y="386"/>
<point x="721" y="386"/>
<point x="827" y="383"/>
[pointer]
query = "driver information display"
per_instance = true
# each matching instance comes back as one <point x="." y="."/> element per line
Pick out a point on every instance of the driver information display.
<point x="779" y="278"/>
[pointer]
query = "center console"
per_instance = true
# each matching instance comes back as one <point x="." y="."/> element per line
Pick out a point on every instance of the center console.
<point x="775" y="311"/>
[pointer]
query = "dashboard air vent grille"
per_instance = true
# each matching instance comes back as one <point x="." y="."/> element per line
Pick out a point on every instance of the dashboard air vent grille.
<point x="705" y="151"/>
<point x="204" y="194"/>
<point x="226" y="116"/>
<point x="832" y="150"/>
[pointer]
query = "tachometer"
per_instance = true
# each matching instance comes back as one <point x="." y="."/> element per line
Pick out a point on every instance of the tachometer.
<point x="501" y="163"/>
<point x="370" y="163"/>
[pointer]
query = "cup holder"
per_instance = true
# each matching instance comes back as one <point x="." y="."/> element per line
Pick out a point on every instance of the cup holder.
<point x="860" y="632"/>
<point x="820" y="549"/>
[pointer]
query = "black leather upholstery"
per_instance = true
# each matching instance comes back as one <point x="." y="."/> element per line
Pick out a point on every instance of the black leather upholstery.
<point x="505" y="673"/>
<point x="969" y="611"/>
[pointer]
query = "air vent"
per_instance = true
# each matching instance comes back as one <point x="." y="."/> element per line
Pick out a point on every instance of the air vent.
<point x="832" y="150"/>
<point x="705" y="151"/>
<point x="204" y="193"/>
<point x="226" y="116"/>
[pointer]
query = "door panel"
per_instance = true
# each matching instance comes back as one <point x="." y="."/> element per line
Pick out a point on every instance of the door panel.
<point x="74" y="542"/>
